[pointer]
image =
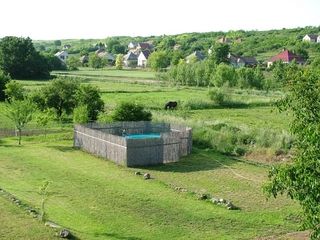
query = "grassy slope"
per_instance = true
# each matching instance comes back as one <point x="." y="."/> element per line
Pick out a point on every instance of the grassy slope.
<point x="99" y="200"/>
<point x="15" y="224"/>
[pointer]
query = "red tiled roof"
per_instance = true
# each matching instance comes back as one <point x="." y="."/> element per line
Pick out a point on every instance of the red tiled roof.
<point x="286" y="56"/>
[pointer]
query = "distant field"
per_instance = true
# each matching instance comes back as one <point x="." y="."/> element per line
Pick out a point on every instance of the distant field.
<point x="108" y="72"/>
<point x="98" y="200"/>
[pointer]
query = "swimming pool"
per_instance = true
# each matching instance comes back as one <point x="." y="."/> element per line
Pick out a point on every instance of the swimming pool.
<point x="143" y="136"/>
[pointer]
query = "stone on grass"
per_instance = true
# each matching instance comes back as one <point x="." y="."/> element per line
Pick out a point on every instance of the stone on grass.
<point x="146" y="176"/>
<point x="214" y="200"/>
<point x="137" y="173"/>
<point x="203" y="196"/>
<point x="64" y="233"/>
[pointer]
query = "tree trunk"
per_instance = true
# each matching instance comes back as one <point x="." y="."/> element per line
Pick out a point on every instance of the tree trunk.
<point x="19" y="136"/>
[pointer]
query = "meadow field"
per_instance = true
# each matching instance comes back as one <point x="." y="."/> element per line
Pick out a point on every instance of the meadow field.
<point x="97" y="199"/>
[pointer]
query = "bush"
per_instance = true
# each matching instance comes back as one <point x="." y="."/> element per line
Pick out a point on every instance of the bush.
<point x="80" y="114"/>
<point x="14" y="91"/>
<point x="131" y="112"/>
<point x="218" y="96"/>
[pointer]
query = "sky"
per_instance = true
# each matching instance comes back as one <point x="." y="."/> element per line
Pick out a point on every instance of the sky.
<point x="67" y="19"/>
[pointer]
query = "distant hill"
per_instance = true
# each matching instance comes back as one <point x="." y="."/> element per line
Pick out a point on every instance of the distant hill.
<point x="260" y="44"/>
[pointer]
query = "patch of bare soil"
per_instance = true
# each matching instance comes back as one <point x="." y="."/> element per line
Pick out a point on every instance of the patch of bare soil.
<point x="305" y="235"/>
<point x="265" y="156"/>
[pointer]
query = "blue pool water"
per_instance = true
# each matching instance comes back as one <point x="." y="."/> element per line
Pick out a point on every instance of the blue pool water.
<point x="143" y="136"/>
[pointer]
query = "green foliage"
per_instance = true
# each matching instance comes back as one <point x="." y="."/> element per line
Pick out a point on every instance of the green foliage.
<point x="224" y="75"/>
<point x="4" y="80"/>
<point x="59" y="94"/>
<point x="73" y="63"/>
<point x="64" y="94"/>
<point x="220" y="53"/>
<point x="20" y="113"/>
<point x="80" y="114"/>
<point x="300" y="179"/>
<point x="196" y="74"/>
<point x="90" y="96"/>
<point x="57" y="43"/>
<point x="218" y="96"/>
<point x="158" y="60"/>
<point x="250" y="78"/>
<point x="44" y="118"/>
<point x="19" y="58"/>
<point x="14" y="91"/>
<point x="119" y="61"/>
<point x="53" y="62"/>
<point x="127" y="111"/>
<point x="43" y="191"/>
<point x="114" y="46"/>
<point x="97" y="62"/>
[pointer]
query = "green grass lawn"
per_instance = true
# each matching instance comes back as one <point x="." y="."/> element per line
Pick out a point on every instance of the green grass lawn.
<point x="97" y="199"/>
<point x="16" y="224"/>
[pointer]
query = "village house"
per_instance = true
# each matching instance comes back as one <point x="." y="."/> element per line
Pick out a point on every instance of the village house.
<point x="84" y="59"/>
<point x="106" y="55"/>
<point x="62" y="55"/>
<point x="143" y="58"/>
<point x="138" y="54"/>
<point x="286" y="56"/>
<point x="66" y="46"/>
<point x="195" y="56"/>
<point x="311" y="38"/>
<point x="130" y="60"/>
<point x="132" y="46"/>
<point x="242" y="61"/>
<point x="224" y="40"/>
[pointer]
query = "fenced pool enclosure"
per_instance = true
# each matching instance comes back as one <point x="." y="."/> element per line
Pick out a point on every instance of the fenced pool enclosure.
<point x="135" y="143"/>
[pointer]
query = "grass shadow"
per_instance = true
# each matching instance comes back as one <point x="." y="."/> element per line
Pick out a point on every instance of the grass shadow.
<point x="63" y="148"/>
<point x="115" y="236"/>
<point x="199" y="160"/>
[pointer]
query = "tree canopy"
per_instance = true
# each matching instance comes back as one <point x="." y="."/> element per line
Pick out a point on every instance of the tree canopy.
<point x="19" y="58"/>
<point x="301" y="178"/>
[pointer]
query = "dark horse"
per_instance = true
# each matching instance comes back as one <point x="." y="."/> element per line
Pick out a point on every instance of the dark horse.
<point x="170" y="105"/>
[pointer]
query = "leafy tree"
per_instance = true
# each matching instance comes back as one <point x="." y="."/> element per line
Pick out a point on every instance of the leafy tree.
<point x="220" y="53"/>
<point x="73" y="63"/>
<point x="59" y="94"/>
<point x="57" y="43"/>
<point x="300" y="178"/>
<point x="53" y="62"/>
<point x="131" y="112"/>
<point x="176" y="56"/>
<point x="4" y="80"/>
<point x="89" y="95"/>
<point x="19" y="58"/>
<point x="97" y="62"/>
<point x="14" y="91"/>
<point x="118" y="49"/>
<point x="224" y="75"/>
<point x="250" y="78"/>
<point x="43" y="119"/>
<point x="119" y="61"/>
<point x="80" y="114"/>
<point x="158" y="60"/>
<point x="20" y="112"/>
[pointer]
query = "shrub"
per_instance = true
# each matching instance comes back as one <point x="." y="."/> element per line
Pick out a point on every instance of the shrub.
<point x="131" y="112"/>
<point x="218" y="96"/>
<point x="80" y="114"/>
